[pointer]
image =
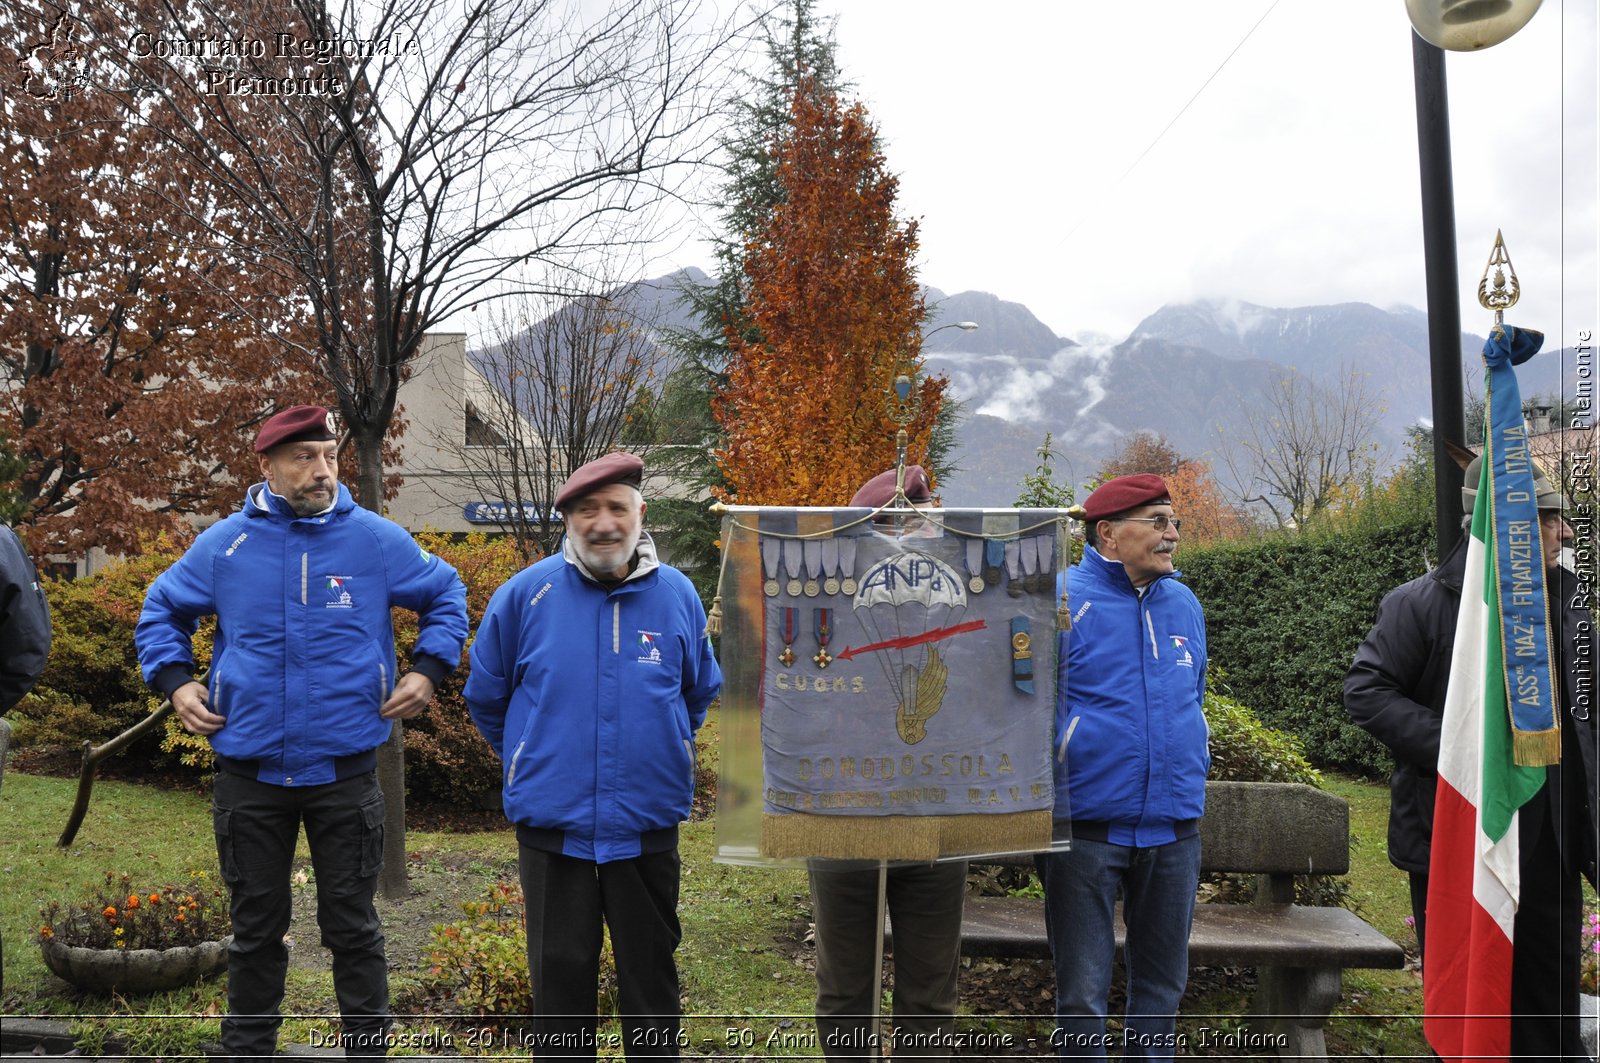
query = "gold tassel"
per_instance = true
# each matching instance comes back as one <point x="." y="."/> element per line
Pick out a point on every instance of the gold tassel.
<point x="1063" y="615"/>
<point x="714" y="618"/>
<point x="1536" y="749"/>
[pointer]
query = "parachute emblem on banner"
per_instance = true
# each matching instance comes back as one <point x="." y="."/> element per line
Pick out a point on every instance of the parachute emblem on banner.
<point x="907" y="602"/>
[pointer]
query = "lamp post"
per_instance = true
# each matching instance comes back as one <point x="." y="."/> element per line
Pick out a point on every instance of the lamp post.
<point x="1459" y="25"/>
<point x="904" y="403"/>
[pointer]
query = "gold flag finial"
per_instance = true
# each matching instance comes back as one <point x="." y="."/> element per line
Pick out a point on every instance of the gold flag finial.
<point x="1499" y="289"/>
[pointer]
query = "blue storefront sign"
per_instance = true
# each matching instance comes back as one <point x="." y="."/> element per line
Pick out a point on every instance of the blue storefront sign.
<point x="501" y="512"/>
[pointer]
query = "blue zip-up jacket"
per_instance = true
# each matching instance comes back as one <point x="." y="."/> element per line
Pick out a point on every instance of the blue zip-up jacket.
<point x="592" y="699"/>
<point x="1131" y="739"/>
<point x="304" y="652"/>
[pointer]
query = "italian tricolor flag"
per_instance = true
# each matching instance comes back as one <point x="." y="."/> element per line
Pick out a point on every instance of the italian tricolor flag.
<point x="1473" y="879"/>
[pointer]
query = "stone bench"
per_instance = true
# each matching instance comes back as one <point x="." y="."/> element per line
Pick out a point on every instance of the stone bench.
<point x="1275" y="831"/>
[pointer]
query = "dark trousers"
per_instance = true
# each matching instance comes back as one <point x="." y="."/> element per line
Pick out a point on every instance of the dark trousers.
<point x="568" y="900"/>
<point x="1546" y="946"/>
<point x="924" y="906"/>
<point x="257" y="826"/>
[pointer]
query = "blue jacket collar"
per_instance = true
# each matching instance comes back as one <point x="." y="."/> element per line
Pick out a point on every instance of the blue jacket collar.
<point x="260" y="502"/>
<point x="1115" y="573"/>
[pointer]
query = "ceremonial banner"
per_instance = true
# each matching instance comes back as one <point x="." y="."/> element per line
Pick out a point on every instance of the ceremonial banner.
<point x="899" y="674"/>
<point x="1500" y="675"/>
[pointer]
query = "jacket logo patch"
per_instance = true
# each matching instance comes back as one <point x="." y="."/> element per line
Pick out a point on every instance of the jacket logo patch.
<point x="237" y="543"/>
<point x="649" y="652"/>
<point x="338" y="593"/>
<point x="1180" y="644"/>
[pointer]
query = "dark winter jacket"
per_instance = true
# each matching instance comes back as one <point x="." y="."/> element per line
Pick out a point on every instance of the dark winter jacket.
<point x="1395" y="691"/>
<point x="1396" y="688"/>
<point x="24" y="621"/>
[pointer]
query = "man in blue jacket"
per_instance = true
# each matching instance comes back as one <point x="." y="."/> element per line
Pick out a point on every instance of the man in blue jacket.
<point x="301" y="692"/>
<point x="1131" y="764"/>
<point x="591" y="673"/>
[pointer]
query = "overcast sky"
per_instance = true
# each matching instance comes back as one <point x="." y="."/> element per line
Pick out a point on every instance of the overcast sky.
<point x="1022" y="132"/>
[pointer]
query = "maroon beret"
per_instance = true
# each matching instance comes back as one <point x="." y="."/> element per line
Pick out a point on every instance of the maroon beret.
<point x="617" y="468"/>
<point x="295" y="425"/>
<point x="1122" y="493"/>
<point x="880" y="489"/>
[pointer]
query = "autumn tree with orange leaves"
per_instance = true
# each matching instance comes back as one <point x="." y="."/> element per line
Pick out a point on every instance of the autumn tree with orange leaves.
<point x="1196" y="499"/>
<point x="135" y="366"/>
<point x="833" y="315"/>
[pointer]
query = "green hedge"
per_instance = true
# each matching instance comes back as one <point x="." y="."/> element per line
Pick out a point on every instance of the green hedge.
<point x="1284" y="616"/>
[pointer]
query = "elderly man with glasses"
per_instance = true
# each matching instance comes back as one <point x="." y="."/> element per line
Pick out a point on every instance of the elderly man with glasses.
<point x="1131" y="764"/>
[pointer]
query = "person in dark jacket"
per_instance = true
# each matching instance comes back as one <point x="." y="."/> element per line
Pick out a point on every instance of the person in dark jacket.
<point x="1395" y="690"/>
<point x="24" y="629"/>
<point x="24" y="621"/>
<point x="301" y="692"/>
<point x="1131" y="765"/>
<point x="591" y="673"/>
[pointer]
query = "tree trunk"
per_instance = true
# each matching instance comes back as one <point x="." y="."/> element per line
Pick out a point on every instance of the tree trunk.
<point x="392" y="754"/>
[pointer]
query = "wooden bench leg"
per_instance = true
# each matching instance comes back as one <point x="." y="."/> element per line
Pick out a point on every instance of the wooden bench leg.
<point x="1296" y="1002"/>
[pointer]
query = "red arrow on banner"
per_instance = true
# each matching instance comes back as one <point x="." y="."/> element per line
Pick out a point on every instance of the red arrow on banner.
<point x="912" y="640"/>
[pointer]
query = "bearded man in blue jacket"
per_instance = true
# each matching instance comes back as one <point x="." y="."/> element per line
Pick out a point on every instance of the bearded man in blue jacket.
<point x="301" y="693"/>
<point x="591" y="673"/>
<point x="1131" y="764"/>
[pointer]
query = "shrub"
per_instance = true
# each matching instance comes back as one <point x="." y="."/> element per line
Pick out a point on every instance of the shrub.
<point x="1245" y="750"/>
<point x="478" y="966"/>
<point x="447" y="760"/>
<point x="123" y="916"/>
<point x="91" y="688"/>
<point x="1284" y="615"/>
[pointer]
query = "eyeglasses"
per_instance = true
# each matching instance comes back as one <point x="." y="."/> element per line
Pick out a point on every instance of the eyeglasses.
<point x="1159" y="522"/>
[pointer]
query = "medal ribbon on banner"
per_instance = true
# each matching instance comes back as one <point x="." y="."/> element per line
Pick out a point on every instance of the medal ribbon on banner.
<point x="975" y="582"/>
<point x="791" y="565"/>
<point x="1013" y="552"/>
<point x="813" y="557"/>
<point x="771" y="551"/>
<point x="994" y="559"/>
<point x="1022" y="654"/>
<point x="847" y="563"/>
<point x="791" y="616"/>
<point x="822" y="619"/>
<point x="830" y="567"/>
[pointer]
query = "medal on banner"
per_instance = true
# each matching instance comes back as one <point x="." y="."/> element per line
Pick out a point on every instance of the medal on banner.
<point x="771" y="550"/>
<point x="791" y="565"/>
<point x="823" y="618"/>
<point x="813" y="556"/>
<point x="813" y="564"/>
<point x="1013" y="553"/>
<point x="791" y="616"/>
<point x="847" y="564"/>
<point x="1030" y="563"/>
<point x="830" y="566"/>
<point x="1022" y="654"/>
<point x="975" y="565"/>
<point x="994" y="555"/>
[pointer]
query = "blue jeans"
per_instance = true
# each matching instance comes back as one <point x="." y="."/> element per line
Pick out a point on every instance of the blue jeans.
<point x="1080" y="890"/>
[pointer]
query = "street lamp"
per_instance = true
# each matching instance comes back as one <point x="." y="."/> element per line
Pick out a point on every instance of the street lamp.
<point x="904" y="402"/>
<point x="1460" y="25"/>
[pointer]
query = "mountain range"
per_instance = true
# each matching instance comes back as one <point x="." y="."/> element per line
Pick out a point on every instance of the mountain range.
<point x="1194" y="372"/>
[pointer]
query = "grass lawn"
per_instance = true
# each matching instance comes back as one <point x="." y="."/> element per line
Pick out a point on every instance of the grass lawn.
<point x="742" y="966"/>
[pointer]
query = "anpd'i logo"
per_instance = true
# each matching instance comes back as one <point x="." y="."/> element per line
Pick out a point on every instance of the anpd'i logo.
<point x="54" y="70"/>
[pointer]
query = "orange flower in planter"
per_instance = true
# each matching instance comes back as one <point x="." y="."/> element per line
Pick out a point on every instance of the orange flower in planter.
<point x="133" y="901"/>
<point x="110" y="913"/>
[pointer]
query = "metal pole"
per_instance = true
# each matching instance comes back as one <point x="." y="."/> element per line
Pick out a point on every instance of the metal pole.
<point x="1444" y="307"/>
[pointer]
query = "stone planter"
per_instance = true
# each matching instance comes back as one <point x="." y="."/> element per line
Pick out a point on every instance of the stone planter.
<point x="135" y="971"/>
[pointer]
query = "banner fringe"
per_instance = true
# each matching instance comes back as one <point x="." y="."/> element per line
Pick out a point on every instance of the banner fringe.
<point x="1536" y="749"/>
<point x="919" y="838"/>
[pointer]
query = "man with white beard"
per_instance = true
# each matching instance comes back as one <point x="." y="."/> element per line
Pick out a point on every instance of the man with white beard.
<point x="591" y="673"/>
